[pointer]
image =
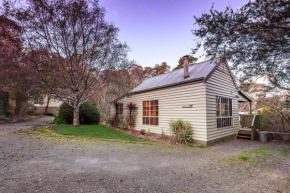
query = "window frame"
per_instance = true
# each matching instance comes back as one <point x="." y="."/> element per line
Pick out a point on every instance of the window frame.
<point x="120" y="109"/>
<point x="39" y="101"/>
<point x="224" y="121"/>
<point x="149" y="112"/>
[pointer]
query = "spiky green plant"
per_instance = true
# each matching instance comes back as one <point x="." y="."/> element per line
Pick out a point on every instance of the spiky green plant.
<point x="182" y="131"/>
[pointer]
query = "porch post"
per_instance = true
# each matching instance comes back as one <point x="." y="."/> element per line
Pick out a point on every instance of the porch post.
<point x="250" y="107"/>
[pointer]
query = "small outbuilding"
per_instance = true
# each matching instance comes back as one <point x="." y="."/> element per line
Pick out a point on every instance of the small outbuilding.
<point x="4" y="103"/>
<point x="47" y="105"/>
<point x="205" y="94"/>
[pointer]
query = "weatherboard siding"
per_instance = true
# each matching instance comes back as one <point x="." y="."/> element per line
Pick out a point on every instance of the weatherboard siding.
<point x="220" y="84"/>
<point x="171" y="100"/>
<point x="202" y="97"/>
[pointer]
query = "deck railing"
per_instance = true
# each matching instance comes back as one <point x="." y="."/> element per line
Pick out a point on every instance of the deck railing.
<point x="252" y="122"/>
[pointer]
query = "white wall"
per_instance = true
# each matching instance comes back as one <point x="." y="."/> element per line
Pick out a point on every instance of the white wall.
<point x="171" y="100"/>
<point x="221" y="84"/>
<point x="203" y="113"/>
<point x="52" y="103"/>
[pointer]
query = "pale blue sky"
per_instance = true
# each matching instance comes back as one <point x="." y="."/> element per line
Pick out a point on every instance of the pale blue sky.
<point x="160" y="30"/>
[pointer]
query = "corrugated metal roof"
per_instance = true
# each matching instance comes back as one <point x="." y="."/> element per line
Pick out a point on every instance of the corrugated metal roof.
<point x="245" y="95"/>
<point x="197" y="71"/>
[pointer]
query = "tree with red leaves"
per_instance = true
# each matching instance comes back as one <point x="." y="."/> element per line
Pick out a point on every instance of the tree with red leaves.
<point x="78" y="42"/>
<point x="16" y="75"/>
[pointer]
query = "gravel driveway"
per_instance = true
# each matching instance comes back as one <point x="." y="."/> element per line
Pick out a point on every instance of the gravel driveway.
<point x="31" y="163"/>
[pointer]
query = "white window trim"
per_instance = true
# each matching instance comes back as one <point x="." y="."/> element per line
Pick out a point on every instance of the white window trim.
<point x="150" y="112"/>
<point x="220" y="117"/>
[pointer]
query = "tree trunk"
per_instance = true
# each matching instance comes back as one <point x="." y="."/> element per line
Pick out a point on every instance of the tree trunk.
<point x="76" y="120"/>
<point x="283" y="125"/>
<point x="47" y="103"/>
<point x="18" y="106"/>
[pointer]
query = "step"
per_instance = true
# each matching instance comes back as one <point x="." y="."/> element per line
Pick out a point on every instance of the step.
<point x="244" y="136"/>
<point x="245" y="132"/>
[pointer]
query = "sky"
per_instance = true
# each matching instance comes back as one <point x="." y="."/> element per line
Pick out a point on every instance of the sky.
<point x="160" y="30"/>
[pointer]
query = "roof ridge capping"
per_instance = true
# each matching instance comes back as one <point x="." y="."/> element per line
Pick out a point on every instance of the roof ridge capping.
<point x="190" y="65"/>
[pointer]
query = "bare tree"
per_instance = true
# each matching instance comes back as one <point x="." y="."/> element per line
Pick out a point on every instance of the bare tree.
<point x="70" y="44"/>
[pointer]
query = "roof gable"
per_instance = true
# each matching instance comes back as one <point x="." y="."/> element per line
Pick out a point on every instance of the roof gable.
<point x="241" y="92"/>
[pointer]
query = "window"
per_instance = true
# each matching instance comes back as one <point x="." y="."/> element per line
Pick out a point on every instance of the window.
<point x="150" y="112"/>
<point x="120" y="109"/>
<point x="39" y="101"/>
<point x="224" y="112"/>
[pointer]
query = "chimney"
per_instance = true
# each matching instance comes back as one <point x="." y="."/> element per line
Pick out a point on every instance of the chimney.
<point x="185" y="64"/>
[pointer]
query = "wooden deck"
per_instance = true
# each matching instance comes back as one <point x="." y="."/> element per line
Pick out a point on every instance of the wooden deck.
<point x="244" y="133"/>
<point x="249" y="125"/>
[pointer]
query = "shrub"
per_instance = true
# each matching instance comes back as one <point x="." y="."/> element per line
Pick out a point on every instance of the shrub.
<point x="59" y="120"/>
<point x="109" y="121"/>
<point x="89" y="114"/>
<point x="148" y="132"/>
<point x="28" y="109"/>
<point x="3" y="118"/>
<point x="162" y="136"/>
<point x="143" y="131"/>
<point x="271" y="121"/>
<point x="130" y="120"/>
<point x="121" y="123"/>
<point x="115" y="121"/>
<point x="182" y="131"/>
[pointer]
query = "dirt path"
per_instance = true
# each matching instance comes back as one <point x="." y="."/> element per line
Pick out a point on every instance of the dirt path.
<point x="6" y="128"/>
<point x="38" y="164"/>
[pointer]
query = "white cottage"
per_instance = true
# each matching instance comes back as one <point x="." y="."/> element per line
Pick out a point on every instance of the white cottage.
<point x="204" y="94"/>
<point x="51" y="104"/>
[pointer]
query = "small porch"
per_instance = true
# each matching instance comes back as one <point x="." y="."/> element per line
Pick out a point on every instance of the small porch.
<point x="249" y="122"/>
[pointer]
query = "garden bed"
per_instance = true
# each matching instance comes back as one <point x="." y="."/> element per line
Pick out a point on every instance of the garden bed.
<point x="281" y="137"/>
<point x="276" y="137"/>
<point x="151" y="136"/>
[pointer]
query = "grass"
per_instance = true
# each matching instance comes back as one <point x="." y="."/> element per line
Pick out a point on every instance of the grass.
<point x="284" y="152"/>
<point x="252" y="157"/>
<point x="245" y="157"/>
<point x="91" y="132"/>
<point x="261" y="151"/>
<point x="94" y="131"/>
<point x="3" y="118"/>
<point x="198" y="146"/>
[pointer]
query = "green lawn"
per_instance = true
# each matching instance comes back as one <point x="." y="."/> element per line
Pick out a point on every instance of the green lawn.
<point x="94" y="131"/>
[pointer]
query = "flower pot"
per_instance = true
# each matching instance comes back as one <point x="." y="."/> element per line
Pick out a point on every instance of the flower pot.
<point x="263" y="136"/>
<point x="143" y="131"/>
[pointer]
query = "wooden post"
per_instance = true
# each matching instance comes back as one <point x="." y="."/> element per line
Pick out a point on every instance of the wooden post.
<point x="253" y="131"/>
<point x="250" y="107"/>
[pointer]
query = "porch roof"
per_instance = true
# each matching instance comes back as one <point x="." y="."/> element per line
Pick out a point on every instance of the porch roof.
<point x="244" y="97"/>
